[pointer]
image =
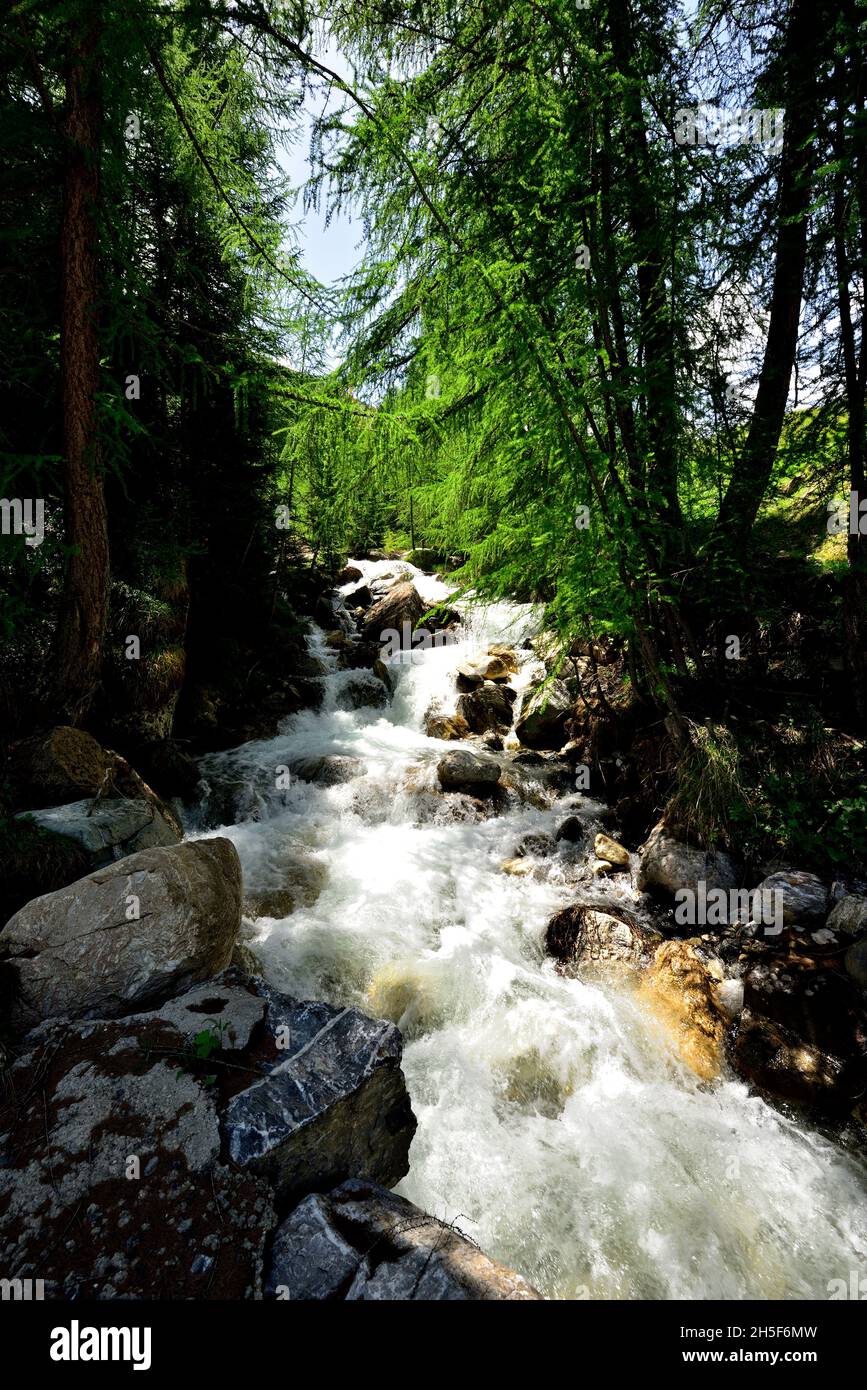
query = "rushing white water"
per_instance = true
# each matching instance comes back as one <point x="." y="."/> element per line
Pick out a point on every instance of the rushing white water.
<point x="556" y="1124"/>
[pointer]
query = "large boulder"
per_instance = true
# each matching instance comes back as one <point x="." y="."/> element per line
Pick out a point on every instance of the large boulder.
<point x="487" y="707"/>
<point x="330" y="770"/>
<point x="783" y="1067"/>
<point x="110" y="1160"/>
<point x="463" y="771"/>
<point x="64" y="764"/>
<point x="126" y="937"/>
<point x="496" y="666"/>
<point x="670" y="865"/>
<point x="542" y="719"/>
<point x="363" y="689"/>
<point x="362" y="1243"/>
<point x="109" y="829"/>
<point x="402" y="604"/>
<point x="682" y="990"/>
<point x="804" y="897"/>
<point x="67" y="765"/>
<point x="333" y="1106"/>
<point x="820" y="1006"/>
<point x="591" y="941"/>
<point x="849" y="917"/>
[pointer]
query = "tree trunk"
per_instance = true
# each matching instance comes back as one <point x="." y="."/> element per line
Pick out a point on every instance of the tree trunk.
<point x="651" y="253"/>
<point x="850" y="81"/>
<point x="84" y="604"/>
<point x="752" y="470"/>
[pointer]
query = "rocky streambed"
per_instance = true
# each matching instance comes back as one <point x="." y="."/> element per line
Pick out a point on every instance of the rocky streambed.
<point x="406" y="992"/>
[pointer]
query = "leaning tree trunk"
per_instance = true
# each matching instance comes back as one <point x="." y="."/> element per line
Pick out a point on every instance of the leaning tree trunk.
<point x="84" y="603"/>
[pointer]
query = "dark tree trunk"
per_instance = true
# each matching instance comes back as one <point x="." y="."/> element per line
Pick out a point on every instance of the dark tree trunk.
<point x="84" y="604"/>
<point x="849" y="96"/>
<point x="651" y="251"/>
<point x="752" y="470"/>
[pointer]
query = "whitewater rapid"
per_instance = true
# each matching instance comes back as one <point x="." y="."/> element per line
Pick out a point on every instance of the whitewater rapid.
<point x="556" y="1125"/>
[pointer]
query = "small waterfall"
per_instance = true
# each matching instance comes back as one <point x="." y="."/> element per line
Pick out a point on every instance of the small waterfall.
<point x="556" y="1125"/>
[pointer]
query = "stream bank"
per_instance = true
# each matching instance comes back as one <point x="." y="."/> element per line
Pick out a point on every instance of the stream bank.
<point x="571" y="1100"/>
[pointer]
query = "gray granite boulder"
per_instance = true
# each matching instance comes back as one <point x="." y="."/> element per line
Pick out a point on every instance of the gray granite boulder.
<point x="111" y="1179"/>
<point x="127" y="937"/>
<point x="109" y="829"/>
<point x="362" y="1243"/>
<point x="333" y="1104"/>
<point x="668" y="864"/>
<point x="461" y="770"/>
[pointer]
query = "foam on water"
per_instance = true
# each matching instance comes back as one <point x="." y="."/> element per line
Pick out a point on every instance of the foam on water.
<point x="556" y="1125"/>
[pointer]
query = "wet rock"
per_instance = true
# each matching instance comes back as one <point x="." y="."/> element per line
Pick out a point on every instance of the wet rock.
<point x="609" y="850"/>
<point x="381" y="671"/>
<point x="804" y="896"/>
<point x="535" y="843"/>
<point x="462" y="770"/>
<point x="571" y="830"/>
<point x="682" y="989"/>
<point x="402" y="604"/>
<point x="334" y="1106"/>
<point x="228" y="799"/>
<point x="363" y="691"/>
<point x="855" y="962"/>
<point x="596" y="942"/>
<point x="110" y="1161"/>
<point x="109" y="829"/>
<point x="600" y="867"/>
<point x="518" y="868"/>
<point x="291" y="877"/>
<point x="445" y="726"/>
<point x="79" y="953"/>
<point x="350" y="574"/>
<point x="487" y="707"/>
<point x="543" y="715"/>
<point x="360" y="1242"/>
<point x="358" y="655"/>
<point x="819" y="1006"/>
<point x="669" y="864"/>
<point x="328" y="771"/>
<point x="849" y="917"/>
<point x="505" y="656"/>
<point x="495" y="666"/>
<point x="785" y="1068"/>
